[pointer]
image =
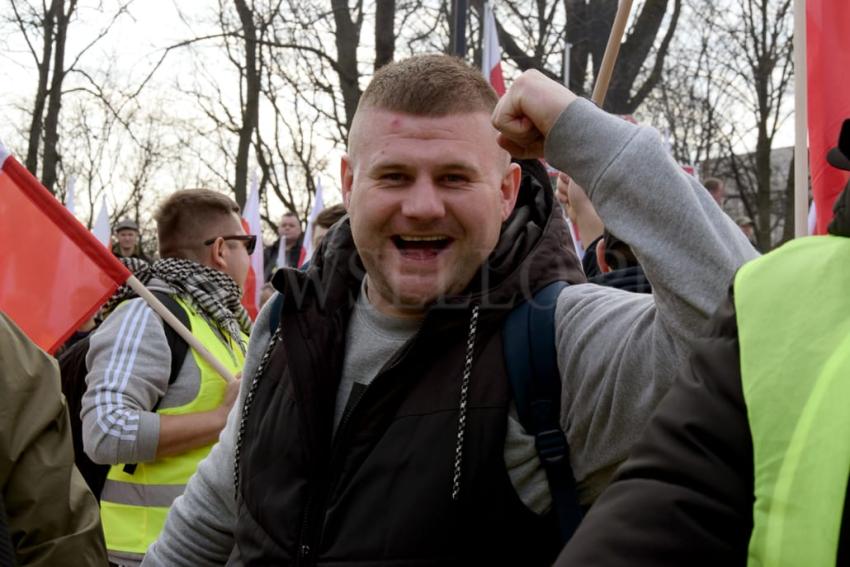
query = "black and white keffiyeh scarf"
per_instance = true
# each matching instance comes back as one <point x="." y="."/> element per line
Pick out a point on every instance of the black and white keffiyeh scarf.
<point x="213" y="292"/>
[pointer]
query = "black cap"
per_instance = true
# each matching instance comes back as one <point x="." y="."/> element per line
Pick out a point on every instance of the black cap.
<point x="838" y="156"/>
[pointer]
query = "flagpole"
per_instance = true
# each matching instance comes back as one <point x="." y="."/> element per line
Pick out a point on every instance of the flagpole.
<point x="175" y="323"/>
<point x="611" y="52"/>
<point x="801" y="114"/>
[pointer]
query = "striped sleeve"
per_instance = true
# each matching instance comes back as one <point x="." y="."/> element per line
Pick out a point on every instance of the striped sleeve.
<point x="129" y="362"/>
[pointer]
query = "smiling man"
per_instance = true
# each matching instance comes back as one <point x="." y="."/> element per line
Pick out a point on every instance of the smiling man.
<point x="430" y="198"/>
<point x="376" y="425"/>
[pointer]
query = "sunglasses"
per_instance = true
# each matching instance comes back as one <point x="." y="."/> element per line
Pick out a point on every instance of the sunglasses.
<point x="250" y="240"/>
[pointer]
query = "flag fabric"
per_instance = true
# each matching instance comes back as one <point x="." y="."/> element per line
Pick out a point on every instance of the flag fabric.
<point x="101" y="229"/>
<point x="812" y="221"/>
<point x="69" y="195"/>
<point x="251" y="222"/>
<point x="491" y="53"/>
<point x="280" y="261"/>
<point x="54" y="274"/>
<point x="318" y="205"/>
<point x="827" y="56"/>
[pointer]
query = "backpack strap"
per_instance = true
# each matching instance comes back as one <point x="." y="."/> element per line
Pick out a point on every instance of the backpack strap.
<point x="531" y="358"/>
<point x="178" y="347"/>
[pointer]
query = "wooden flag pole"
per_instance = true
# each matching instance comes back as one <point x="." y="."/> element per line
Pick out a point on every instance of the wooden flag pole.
<point x="611" y="52"/>
<point x="175" y="323"/>
<point x="801" y="153"/>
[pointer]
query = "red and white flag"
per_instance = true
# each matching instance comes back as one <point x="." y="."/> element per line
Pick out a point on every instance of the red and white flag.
<point x="491" y="53"/>
<point x="318" y="205"/>
<point x="54" y="274"/>
<point x="827" y="58"/>
<point x="254" y="281"/>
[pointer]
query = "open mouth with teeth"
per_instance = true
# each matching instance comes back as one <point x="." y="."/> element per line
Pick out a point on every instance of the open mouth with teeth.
<point x="421" y="247"/>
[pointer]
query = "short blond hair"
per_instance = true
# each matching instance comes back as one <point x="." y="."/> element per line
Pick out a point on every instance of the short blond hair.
<point x="184" y="219"/>
<point x="429" y="85"/>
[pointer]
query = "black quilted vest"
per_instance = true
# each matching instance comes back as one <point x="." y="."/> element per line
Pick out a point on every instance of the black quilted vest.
<point x="379" y="491"/>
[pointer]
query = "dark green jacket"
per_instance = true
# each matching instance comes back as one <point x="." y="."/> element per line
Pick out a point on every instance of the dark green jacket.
<point x="52" y="518"/>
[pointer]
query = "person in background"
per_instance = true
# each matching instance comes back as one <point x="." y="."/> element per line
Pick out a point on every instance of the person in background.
<point x="128" y="239"/>
<point x="266" y="293"/>
<point x="717" y="189"/>
<point x="747" y="226"/>
<point x="324" y="220"/>
<point x="51" y="517"/>
<point x="289" y="234"/>
<point x="607" y="260"/>
<point x="151" y="429"/>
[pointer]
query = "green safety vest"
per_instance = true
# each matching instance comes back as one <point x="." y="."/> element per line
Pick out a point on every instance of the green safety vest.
<point x="793" y="315"/>
<point x="134" y="506"/>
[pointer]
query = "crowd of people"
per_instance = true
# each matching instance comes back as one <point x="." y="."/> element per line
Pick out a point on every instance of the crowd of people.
<point x="374" y="419"/>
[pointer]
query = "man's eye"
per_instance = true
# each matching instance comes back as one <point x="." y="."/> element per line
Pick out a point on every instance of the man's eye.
<point x="393" y="177"/>
<point x="454" y="178"/>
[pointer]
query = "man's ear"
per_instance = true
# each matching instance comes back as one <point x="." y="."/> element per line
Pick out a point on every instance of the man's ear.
<point x="510" y="189"/>
<point x="218" y="255"/>
<point x="600" y="257"/>
<point x="346" y="173"/>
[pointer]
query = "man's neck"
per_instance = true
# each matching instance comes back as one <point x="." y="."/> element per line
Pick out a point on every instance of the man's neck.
<point x="126" y="252"/>
<point x="390" y="308"/>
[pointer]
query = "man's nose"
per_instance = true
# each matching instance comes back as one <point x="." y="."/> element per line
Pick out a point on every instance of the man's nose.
<point x="423" y="201"/>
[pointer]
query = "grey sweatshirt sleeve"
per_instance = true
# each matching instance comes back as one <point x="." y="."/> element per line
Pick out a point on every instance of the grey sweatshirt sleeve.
<point x="199" y="528"/>
<point x="128" y="361"/>
<point x="619" y="352"/>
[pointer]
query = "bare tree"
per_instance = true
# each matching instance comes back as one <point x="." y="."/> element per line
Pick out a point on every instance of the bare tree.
<point x="46" y="26"/>
<point x="725" y="97"/>
<point x="51" y="22"/>
<point x="534" y="36"/>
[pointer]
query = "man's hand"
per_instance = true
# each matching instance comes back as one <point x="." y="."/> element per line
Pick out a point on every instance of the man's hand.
<point x="526" y="113"/>
<point x="180" y="433"/>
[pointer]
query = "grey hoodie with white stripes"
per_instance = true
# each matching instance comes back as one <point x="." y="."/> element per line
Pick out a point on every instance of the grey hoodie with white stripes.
<point x="129" y="361"/>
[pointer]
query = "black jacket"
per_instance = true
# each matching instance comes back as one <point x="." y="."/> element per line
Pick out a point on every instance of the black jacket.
<point x="380" y="491"/>
<point x="293" y="255"/>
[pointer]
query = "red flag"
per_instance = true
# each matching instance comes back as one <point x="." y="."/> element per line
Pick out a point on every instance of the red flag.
<point x="251" y="294"/>
<point x="54" y="274"/>
<point x="828" y="58"/>
<point x="491" y="55"/>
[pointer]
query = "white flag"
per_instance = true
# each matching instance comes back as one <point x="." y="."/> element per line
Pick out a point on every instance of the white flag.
<point x="318" y="205"/>
<point x="281" y="262"/>
<point x="491" y="56"/>
<point x="69" y="195"/>
<point x="101" y="228"/>
<point x="252" y="217"/>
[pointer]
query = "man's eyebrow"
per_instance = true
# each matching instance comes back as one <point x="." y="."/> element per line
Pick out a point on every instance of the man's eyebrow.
<point x="459" y="166"/>
<point x="385" y="165"/>
<point x="380" y="167"/>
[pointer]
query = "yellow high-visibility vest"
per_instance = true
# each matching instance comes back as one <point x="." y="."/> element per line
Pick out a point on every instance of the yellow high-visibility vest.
<point x="134" y="506"/>
<point x="793" y="315"/>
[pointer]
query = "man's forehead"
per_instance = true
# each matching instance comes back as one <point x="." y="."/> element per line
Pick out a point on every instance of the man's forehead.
<point x="395" y="121"/>
<point x="379" y="130"/>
